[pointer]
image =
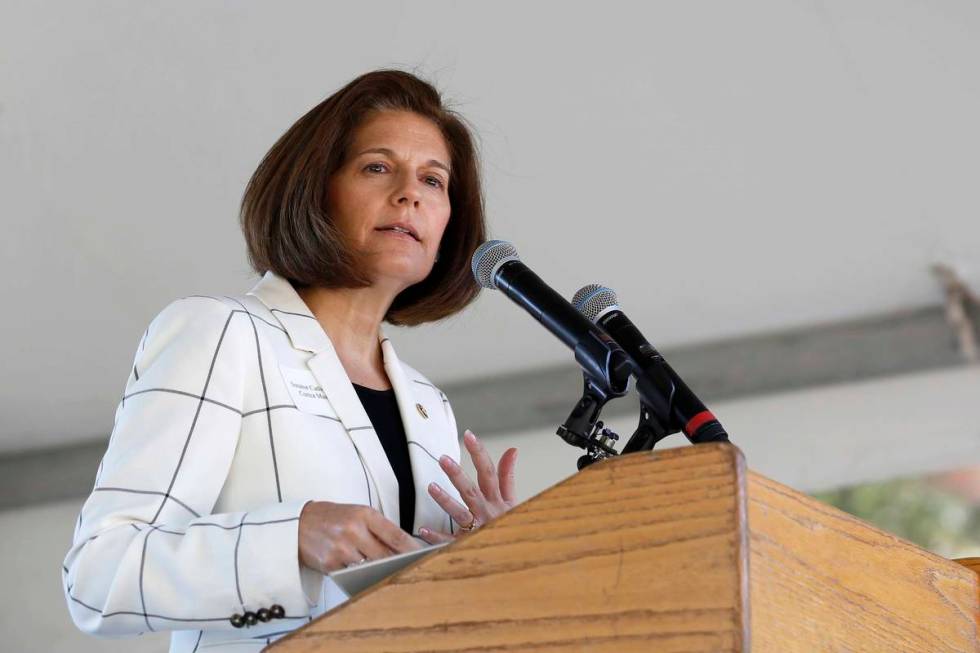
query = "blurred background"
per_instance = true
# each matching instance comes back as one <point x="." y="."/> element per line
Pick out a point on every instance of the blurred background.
<point x="769" y="187"/>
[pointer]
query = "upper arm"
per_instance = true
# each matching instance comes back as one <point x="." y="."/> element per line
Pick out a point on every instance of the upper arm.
<point x="182" y="407"/>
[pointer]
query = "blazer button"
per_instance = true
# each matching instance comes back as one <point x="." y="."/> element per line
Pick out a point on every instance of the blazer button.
<point x="263" y="614"/>
<point x="277" y="611"/>
<point x="237" y="620"/>
<point x="250" y="619"/>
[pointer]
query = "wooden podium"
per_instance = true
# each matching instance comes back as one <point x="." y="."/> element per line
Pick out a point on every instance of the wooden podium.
<point x="677" y="550"/>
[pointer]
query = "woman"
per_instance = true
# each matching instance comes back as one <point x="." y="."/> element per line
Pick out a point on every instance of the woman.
<point x="268" y="439"/>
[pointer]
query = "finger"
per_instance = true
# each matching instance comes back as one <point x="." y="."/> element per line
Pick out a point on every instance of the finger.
<point x="472" y="495"/>
<point x="350" y="556"/>
<point x="373" y="547"/>
<point x="486" y="473"/>
<point x="390" y="534"/>
<point x="505" y="472"/>
<point x="459" y="513"/>
<point x="435" y="537"/>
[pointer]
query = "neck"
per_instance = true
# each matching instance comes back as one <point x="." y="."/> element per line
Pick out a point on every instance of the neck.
<point x="351" y="318"/>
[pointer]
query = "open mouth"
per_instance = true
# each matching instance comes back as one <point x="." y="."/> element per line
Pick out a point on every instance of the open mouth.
<point x="402" y="230"/>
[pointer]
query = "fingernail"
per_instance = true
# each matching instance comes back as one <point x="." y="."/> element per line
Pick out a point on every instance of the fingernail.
<point x="434" y="488"/>
<point x="424" y="531"/>
<point x="446" y="460"/>
<point x="469" y="434"/>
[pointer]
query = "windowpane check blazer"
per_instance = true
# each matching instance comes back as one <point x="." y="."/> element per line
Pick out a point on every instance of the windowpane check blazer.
<point x="237" y="412"/>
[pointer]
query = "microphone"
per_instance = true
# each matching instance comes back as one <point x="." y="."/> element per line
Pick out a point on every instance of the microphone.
<point x="496" y="265"/>
<point x="676" y="406"/>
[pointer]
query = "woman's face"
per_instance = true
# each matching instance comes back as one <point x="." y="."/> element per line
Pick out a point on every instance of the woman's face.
<point x="395" y="179"/>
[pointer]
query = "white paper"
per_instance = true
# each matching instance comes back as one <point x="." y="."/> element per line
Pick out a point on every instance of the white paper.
<point x="356" y="579"/>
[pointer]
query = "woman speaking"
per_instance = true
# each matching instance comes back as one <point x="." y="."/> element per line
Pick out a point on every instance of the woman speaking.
<point x="266" y="439"/>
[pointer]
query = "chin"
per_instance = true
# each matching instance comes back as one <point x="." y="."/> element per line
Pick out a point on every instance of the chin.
<point x="404" y="275"/>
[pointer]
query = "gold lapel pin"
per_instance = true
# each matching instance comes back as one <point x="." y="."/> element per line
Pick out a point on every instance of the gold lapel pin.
<point x="422" y="412"/>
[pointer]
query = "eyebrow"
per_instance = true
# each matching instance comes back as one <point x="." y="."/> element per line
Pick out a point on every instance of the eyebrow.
<point x="387" y="152"/>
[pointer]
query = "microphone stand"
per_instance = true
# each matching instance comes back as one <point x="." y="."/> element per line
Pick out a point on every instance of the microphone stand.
<point x="648" y="433"/>
<point x="584" y="429"/>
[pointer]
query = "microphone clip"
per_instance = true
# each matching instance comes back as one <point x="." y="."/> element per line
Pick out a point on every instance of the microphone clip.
<point x="649" y="431"/>
<point x="583" y="428"/>
<point x="599" y="446"/>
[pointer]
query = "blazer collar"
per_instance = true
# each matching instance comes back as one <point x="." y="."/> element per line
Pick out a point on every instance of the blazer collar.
<point x="305" y="333"/>
<point x="294" y="315"/>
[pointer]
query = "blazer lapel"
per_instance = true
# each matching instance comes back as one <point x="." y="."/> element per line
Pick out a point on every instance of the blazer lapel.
<point x="305" y="333"/>
<point x="330" y="373"/>
<point x="282" y="300"/>
<point x="423" y="445"/>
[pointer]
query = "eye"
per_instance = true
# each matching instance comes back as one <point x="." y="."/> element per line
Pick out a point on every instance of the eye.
<point x="375" y="167"/>
<point x="435" y="182"/>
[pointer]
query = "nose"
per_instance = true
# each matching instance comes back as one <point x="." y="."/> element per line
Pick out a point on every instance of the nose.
<point x="406" y="193"/>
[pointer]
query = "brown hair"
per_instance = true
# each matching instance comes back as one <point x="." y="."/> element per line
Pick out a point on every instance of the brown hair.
<point x="283" y="211"/>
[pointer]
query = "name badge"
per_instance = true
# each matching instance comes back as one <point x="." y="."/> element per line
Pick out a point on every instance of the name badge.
<point x="306" y="391"/>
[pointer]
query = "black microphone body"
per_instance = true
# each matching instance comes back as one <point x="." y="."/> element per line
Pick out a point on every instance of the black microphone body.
<point x="599" y="356"/>
<point x="659" y="384"/>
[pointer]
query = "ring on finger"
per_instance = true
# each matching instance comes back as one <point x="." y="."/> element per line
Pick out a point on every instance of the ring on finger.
<point x="469" y="527"/>
<point x="354" y="564"/>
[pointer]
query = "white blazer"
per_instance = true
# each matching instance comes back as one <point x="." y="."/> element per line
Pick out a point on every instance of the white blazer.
<point x="236" y="413"/>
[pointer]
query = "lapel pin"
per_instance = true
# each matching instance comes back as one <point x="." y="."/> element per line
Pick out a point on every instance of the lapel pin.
<point x="422" y="412"/>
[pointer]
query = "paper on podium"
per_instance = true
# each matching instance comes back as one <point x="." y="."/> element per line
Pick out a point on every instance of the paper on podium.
<point x="354" y="580"/>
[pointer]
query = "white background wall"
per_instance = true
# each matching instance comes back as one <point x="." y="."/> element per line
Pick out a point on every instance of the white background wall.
<point x="786" y="162"/>
<point x="727" y="167"/>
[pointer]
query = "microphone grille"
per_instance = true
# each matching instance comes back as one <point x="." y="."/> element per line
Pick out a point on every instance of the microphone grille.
<point x="593" y="300"/>
<point x="488" y="258"/>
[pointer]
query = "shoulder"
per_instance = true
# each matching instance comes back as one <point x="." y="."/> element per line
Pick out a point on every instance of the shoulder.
<point x="192" y="313"/>
<point x="192" y="322"/>
<point x="204" y="309"/>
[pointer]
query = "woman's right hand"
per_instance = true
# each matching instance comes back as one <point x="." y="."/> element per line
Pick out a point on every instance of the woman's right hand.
<point x="337" y="535"/>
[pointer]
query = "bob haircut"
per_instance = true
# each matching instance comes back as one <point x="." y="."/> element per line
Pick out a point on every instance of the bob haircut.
<point x="284" y="214"/>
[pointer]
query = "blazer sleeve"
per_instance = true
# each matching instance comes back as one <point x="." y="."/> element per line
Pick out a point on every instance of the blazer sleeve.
<point x="147" y="555"/>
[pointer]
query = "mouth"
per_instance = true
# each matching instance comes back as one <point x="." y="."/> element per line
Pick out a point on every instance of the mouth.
<point x="401" y="229"/>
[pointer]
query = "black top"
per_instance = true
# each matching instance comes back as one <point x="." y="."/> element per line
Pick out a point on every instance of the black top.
<point x="382" y="408"/>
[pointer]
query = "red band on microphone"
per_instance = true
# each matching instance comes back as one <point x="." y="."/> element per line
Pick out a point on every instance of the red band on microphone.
<point x="698" y="421"/>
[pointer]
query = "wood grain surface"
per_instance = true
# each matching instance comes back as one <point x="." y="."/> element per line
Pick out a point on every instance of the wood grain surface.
<point x="662" y="552"/>
<point x="822" y="580"/>
<point x="642" y="553"/>
<point x="974" y="565"/>
<point x="970" y="563"/>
